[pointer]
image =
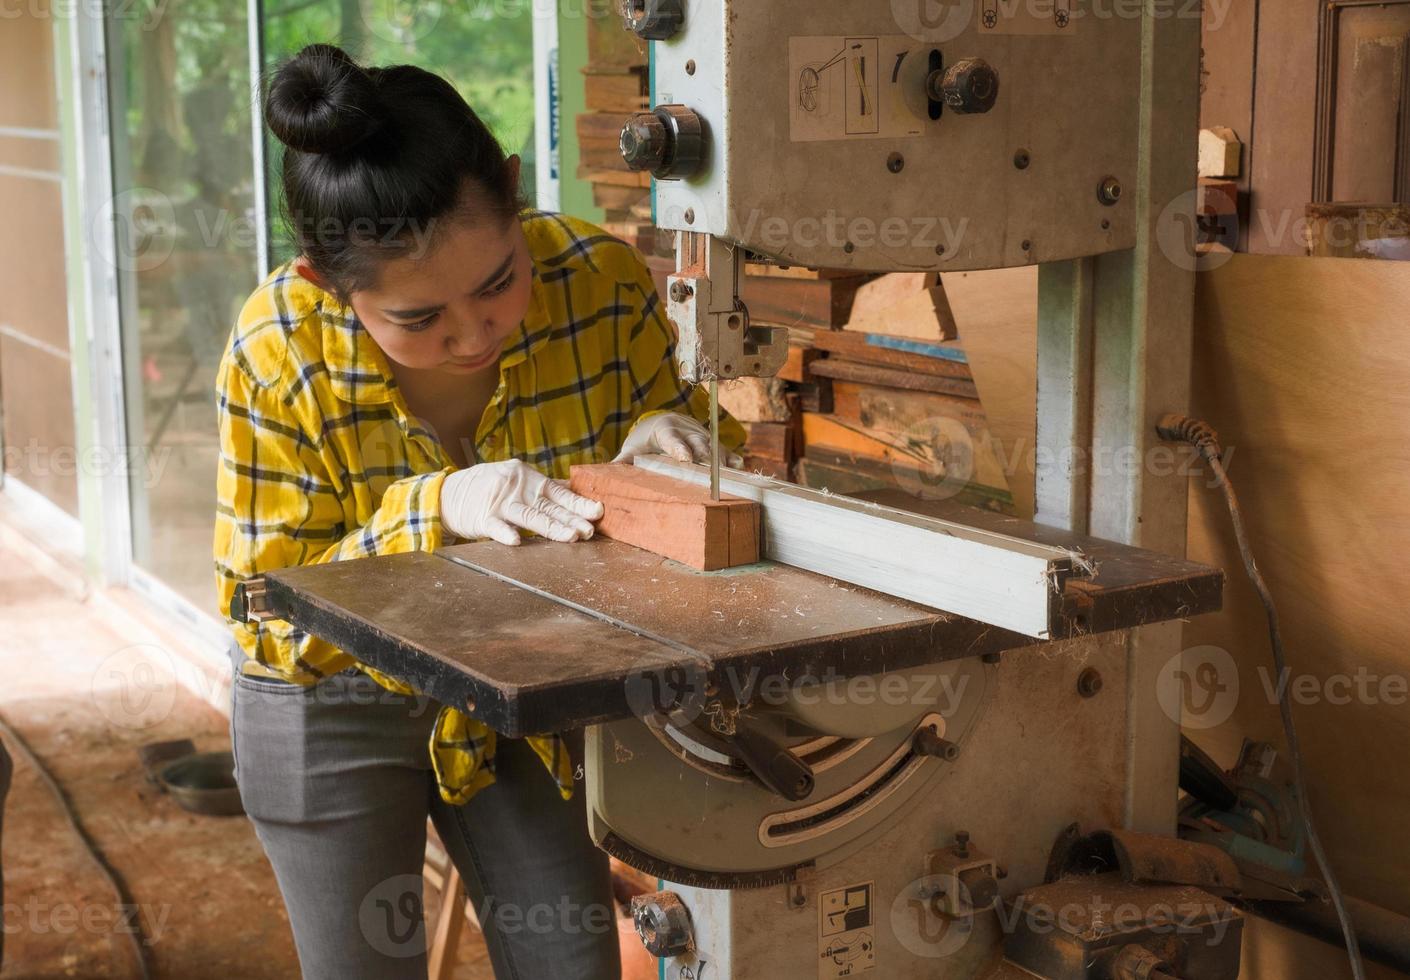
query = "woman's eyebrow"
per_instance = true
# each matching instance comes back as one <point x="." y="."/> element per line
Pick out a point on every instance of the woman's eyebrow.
<point x="425" y="311"/>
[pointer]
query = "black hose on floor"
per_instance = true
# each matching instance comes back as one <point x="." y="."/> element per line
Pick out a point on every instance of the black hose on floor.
<point x="1201" y="435"/>
<point x="134" y="932"/>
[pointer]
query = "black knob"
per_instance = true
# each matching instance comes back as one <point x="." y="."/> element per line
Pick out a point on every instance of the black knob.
<point x="643" y="142"/>
<point x="654" y="20"/>
<point x="662" y="922"/>
<point x="969" y="85"/>
<point x="669" y="141"/>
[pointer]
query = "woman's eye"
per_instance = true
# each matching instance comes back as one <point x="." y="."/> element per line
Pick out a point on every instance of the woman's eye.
<point x="504" y="284"/>
<point x="420" y="325"/>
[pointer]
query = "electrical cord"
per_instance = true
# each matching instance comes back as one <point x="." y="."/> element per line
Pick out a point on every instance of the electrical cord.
<point x="134" y="932"/>
<point x="1200" y="435"/>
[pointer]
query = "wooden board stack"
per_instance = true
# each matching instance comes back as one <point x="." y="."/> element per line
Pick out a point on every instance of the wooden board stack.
<point x="878" y="390"/>
<point x="615" y="85"/>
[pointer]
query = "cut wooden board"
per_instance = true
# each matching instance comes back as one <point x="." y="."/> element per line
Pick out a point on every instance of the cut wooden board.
<point x="669" y="517"/>
<point x="1219" y="152"/>
<point x="994" y="578"/>
<point x="903" y="304"/>
<point x="755" y="399"/>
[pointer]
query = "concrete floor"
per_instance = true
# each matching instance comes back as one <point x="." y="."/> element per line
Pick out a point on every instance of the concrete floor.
<point x="204" y="891"/>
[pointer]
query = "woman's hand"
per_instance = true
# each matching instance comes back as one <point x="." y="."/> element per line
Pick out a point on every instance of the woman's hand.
<point x="677" y="436"/>
<point x="493" y="500"/>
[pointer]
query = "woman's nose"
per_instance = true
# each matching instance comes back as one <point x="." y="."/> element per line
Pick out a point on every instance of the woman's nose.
<point x="467" y="338"/>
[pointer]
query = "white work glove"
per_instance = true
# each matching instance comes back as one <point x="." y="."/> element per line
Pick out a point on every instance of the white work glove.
<point x="492" y="500"/>
<point x="677" y="436"/>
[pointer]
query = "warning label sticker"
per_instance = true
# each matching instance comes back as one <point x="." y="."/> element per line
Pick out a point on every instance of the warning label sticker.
<point x="846" y="939"/>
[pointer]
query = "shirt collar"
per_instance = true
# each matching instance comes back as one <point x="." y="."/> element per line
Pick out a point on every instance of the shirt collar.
<point x="358" y="370"/>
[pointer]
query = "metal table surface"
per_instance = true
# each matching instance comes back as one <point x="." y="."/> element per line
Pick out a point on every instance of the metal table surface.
<point x="546" y="636"/>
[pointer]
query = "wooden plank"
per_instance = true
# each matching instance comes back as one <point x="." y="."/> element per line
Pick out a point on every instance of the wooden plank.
<point x="1280" y="153"/>
<point x="843" y="369"/>
<point x="774" y="440"/>
<point x="798" y="365"/>
<point x="995" y="578"/>
<point x="670" y="517"/>
<point x="892" y="352"/>
<point x="903" y="304"/>
<point x="814" y="302"/>
<point x="755" y="399"/>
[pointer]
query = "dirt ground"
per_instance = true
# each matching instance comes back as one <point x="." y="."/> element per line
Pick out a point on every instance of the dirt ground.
<point x="205" y="894"/>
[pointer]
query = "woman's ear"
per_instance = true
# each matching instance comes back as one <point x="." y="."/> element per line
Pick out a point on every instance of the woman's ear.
<point x="513" y="164"/>
<point x="304" y="270"/>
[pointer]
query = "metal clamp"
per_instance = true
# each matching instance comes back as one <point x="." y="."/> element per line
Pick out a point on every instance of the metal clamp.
<point x="250" y="603"/>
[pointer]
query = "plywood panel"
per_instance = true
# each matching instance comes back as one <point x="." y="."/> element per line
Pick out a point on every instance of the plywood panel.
<point x="1303" y="365"/>
<point x="996" y="314"/>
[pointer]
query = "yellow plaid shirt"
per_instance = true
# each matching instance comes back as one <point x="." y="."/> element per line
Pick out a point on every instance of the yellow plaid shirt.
<point x="321" y="461"/>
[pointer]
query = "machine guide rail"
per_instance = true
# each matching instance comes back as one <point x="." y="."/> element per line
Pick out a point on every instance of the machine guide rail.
<point x="548" y="637"/>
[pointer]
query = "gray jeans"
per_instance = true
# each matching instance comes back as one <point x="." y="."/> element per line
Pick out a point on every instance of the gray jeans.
<point x="337" y="781"/>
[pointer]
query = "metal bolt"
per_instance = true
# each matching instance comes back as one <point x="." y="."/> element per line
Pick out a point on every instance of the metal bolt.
<point x="1027" y="245"/>
<point x="690" y="67"/>
<point x="1109" y="191"/>
<point x="690" y="216"/>
<point x="895" y="162"/>
<point x="1021" y="159"/>
<point x="927" y="741"/>
<point x="1089" y="682"/>
<point x="849" y="248"/>
<point x="681" y="291"/>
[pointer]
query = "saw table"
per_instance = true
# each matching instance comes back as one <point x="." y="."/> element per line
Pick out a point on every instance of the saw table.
<point x="547" y="636"/>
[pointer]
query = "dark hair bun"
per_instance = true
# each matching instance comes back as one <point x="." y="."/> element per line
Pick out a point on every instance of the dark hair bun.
<point x="321" y="101"/>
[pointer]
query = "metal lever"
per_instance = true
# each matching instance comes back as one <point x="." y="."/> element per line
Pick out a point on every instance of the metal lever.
<point x="772" y="763"/>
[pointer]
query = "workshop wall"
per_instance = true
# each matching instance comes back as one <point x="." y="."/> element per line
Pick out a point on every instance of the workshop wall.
<point x="36" y="389"/>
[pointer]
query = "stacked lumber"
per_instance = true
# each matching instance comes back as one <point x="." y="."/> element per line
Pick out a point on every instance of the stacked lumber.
<point x="882" y="395"/>
<point x="616" y="85"/>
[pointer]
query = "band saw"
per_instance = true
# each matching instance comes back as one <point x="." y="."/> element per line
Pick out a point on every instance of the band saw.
<point x="829" y="780"/>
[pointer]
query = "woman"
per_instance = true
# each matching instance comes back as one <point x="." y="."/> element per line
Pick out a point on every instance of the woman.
<point x="428" y="367"/>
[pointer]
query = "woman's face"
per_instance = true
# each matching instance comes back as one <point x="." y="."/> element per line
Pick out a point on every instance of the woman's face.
<point x="451" y="309"/>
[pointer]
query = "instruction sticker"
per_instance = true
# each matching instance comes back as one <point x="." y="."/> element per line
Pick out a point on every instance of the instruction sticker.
<point x="855" y="87"/>
<point x="846" y="939"/>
